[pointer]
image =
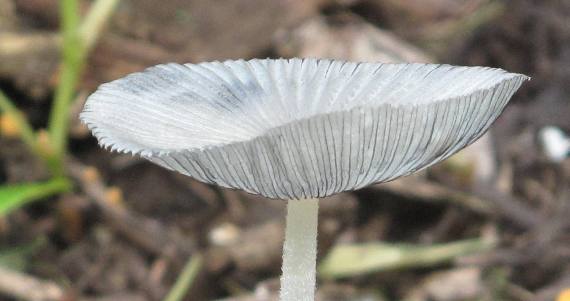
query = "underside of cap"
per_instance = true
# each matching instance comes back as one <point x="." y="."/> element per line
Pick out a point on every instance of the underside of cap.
<point x="298" y="128"/>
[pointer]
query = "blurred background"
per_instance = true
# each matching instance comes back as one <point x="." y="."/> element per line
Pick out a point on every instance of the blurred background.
<point x="80" y="223"/>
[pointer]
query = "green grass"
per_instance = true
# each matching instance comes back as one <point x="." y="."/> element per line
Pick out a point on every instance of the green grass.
<point x="78" y="38"/>
<point x="185" y="279"/>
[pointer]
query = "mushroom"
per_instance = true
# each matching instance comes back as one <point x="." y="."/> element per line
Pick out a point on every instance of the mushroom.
<point x="298" y="129"/>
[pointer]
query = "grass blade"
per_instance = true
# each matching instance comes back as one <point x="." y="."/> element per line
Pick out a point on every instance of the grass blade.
<point x="15" y="196"/>
<point x="360" y="259"/>
<point x="185" y="280"/>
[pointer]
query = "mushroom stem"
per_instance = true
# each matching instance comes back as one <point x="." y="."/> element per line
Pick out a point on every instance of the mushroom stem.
<point x="300" y="251"/>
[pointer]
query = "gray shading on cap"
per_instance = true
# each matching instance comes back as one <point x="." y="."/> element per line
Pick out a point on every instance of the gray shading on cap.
<point x="298" y="128"/>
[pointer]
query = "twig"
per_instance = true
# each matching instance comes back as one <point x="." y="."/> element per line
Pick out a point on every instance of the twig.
<point x="359" y="259"/>
<point x="98" y="15"/>
<point x="490" y="202"/>
<point x="25" y="287"/>
<point x="147" y="234"/>
<point x="510" y="208"/>
<point x="415" y="188"/>
<point x="118" y="297"/>
<point x="549" y="292"/>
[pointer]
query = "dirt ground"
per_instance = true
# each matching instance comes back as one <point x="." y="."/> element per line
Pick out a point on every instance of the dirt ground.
<point x="127" y="233"/>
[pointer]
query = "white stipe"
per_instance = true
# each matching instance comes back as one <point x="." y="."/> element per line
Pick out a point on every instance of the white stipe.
<point x="300" y="251"/>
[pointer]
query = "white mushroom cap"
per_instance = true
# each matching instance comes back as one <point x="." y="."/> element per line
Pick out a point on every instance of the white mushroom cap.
<point x="298" y="128"/>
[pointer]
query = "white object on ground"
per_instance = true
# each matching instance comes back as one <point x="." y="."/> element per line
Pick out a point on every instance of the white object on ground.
<point x="555" y="144"/>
